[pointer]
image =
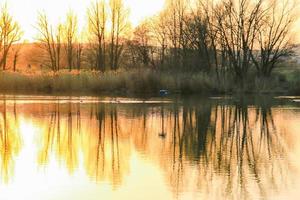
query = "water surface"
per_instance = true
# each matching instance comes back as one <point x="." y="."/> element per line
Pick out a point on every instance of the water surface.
<point x="121" y="148"/>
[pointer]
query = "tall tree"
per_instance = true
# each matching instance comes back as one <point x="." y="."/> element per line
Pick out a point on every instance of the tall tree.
<point x="119" y="24"/>
<point x="238" y="26"/>
<point x="78" y="53"/>
<point x="50" y="41"/>
<point x="160" y="33"/>
<point x="176" y="12"/>
<point x="70" y="29"/>
<point x="10" y="33"/>
<point x="274" y="36"/>
<point x="16" y="53"/>
<point x="141" y="40"/>
<point x="97" y="21"/>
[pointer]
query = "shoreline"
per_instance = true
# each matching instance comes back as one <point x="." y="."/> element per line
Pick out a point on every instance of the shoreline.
<point x="138" y="83"/>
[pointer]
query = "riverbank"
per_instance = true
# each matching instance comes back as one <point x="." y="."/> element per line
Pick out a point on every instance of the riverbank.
<point x="141" y="82"/>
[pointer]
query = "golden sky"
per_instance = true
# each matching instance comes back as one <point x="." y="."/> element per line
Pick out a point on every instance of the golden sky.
<point x="25" y="11"/>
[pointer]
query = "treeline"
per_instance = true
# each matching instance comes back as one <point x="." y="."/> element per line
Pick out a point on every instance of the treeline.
<point x="225" y="38"/>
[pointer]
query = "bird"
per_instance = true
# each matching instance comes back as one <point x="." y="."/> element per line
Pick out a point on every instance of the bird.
<point x="163" y="92"/>
<point x="162" y="135"/>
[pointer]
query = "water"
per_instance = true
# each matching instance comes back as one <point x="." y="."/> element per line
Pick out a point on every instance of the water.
<point x="121" y="148"/>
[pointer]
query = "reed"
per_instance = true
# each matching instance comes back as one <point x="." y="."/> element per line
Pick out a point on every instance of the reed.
<point x="140" y="82"/>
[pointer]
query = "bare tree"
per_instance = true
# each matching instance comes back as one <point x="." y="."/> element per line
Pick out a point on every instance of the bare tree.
<point x="16" y="54"/>
<point x="50" y="40"/>
<point x="97" y="20"/>
<point x="176" y="12"/>
<point x="78" y="53"/>
<point x="10" y="33"/>
<point x="201" y="38"/>
<point x="274" y="36"/>
<point x="141" y="42"/>
<point x="160" y="33"/>
<point x="70" y="29"/>
<point x="119" y="25"/>
<point x="238" y="25"/>
<point x="58" y="45"/>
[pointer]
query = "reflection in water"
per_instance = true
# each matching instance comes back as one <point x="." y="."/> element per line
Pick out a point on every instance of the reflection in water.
<point x="106" y="157"/>
<point x="10" y="141"/>
<point x="211" y="149"/>
<point x="60" y="136"/>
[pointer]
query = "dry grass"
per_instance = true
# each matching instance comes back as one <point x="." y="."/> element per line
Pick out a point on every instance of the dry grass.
<point x="135" y="82"/>
<point x="90" y="82"/>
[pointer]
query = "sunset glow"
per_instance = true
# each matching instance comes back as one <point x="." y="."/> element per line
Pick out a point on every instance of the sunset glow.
<point x="51" y="151"/>
<point x="149" y="99"/>
<point x="25" y="12"/>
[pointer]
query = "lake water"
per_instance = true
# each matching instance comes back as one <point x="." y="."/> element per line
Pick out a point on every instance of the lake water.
<point x="160" y="148"/>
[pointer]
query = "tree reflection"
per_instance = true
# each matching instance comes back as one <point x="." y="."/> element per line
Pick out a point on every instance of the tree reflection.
<point x="61" y="136"/>
<point x="99" y="142"/>
<point x="228" y="149"/>
<point x="106" y="157"/>
<point x="10" y="142"/>
<point x="228" y="144"/>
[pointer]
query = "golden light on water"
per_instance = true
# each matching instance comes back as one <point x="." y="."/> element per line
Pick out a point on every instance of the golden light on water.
<point x="56" y="153"/>
<point x="64" y="150"/>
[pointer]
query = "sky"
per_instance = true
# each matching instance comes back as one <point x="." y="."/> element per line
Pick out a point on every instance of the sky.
<point x="25" y="11"/>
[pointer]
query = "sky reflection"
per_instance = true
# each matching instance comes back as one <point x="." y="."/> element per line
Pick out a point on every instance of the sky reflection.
<point x="151" y="151"/>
